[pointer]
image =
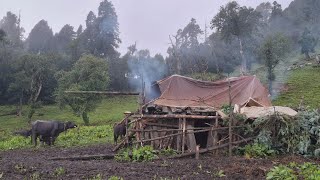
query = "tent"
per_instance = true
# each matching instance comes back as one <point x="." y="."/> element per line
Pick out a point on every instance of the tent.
<point x="182" y="92"/>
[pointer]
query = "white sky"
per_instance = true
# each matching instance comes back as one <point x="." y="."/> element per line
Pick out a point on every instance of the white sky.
<point x="148" y="22"/>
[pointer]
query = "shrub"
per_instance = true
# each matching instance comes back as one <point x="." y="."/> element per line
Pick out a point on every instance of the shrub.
<point x="168" y="152"/>
<point x="258" y="150"/>
<point x="146" y="153"/>
<point x="281" y="172"/>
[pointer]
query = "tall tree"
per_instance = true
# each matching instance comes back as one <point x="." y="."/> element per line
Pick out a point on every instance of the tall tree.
<point x="11" y="25"/>
<point x="88" y="74"/>
<point x="235" y="21"/>
<point x="64" y="38"/>
<point x="40" y="38"/>
<point x="272" y="51"/>
<point x="307" y="42"/>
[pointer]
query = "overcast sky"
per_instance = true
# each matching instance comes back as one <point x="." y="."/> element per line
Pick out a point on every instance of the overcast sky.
<point x="148" y="22"/>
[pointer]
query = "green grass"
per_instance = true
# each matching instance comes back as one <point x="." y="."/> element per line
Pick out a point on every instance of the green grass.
<point x="81" y="136"/>
<point x="109" y="111"/>
<point x="301" y="83"/>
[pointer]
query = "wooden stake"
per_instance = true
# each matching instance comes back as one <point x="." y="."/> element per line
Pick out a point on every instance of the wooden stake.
<point x="197" y="152"/>
<point x="179" y="137"/>
<point x="183" y="134"/>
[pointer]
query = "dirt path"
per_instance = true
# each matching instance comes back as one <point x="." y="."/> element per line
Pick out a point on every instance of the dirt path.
<point x="34" y="163"/>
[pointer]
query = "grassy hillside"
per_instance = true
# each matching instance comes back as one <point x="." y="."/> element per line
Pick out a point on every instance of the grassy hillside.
<point x="304" y="83"/>
<point x="109" y="111"/>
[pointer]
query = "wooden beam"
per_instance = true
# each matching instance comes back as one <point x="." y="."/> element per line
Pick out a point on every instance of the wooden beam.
<point x="167" y="116"/>
<point x="86" y="157"/>
<point x="103" y="92"/>
<point x="210" y="148"/>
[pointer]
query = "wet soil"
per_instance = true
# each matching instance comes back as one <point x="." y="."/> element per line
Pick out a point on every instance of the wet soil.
<point x="35" y="164"/>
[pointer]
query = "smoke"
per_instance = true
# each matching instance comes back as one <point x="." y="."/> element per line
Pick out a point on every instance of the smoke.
<point x="146" y="70"/>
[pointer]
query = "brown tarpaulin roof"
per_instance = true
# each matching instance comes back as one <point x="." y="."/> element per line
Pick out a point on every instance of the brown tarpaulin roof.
<point x="180" y="91"/>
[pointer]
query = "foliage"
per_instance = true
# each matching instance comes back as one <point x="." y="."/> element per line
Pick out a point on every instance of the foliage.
<point x="308" y="43"/>
<point x="220" y="174"/>
<point x="88" y="74"/>
<point x="81" y="136"/>
<point x="59" y="171"/>
<point x="298" y="134"/>
<point x="115" y="178"/>
<point x="272" y="51"/>
<point x="303" y="84"/>
<point x="281" y="172"/>
<point x="168" y="152"/>
<point x="257" y="150"/>
<point x="308" y="171"/>
<point x="141" y="154"/>
<point x="227" y="109"/>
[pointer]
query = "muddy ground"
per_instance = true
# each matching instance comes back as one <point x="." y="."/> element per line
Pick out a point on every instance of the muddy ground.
<point x="34" y="164"/>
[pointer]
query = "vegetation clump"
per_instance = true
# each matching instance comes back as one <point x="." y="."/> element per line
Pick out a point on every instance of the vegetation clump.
<point x="141" y="154"/>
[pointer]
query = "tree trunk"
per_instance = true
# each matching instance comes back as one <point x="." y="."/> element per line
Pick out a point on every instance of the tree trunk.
<point x="85" y="118"/>
<point x="307" y="55"/>
<point x="19" y="110"/>
<point x="243" y="69"/>
<point x="270" y="81"/>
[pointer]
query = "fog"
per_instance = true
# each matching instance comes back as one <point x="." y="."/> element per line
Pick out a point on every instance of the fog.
<point x="149" y="23"/>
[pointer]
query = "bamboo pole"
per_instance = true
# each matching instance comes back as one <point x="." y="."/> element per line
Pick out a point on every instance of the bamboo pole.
<point x="103" y="92"/>
<point x="161" y="125"/>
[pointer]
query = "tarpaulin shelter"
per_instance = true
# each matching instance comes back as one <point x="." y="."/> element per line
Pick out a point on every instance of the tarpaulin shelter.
<point x="181" y="92"/>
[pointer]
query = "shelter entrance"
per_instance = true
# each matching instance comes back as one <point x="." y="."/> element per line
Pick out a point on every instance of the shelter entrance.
<point x="202" y="137"/>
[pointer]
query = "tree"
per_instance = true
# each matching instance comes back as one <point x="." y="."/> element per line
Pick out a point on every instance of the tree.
<point x="272" y="51"/>
<point x="307" y="42"/>
<point x="11" y="25"/>
<point x="64" y="38"/>
<point x="184" y="54"/>
<point x="235" y="21"/>
<point x="40" y="38"/>
<point x="31" y="74"/>
<point x="88" y="74"/>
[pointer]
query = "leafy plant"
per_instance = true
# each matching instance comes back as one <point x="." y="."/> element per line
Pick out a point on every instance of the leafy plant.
<point x="146" y="153"/>
<point x="281" y="172"/>
<point x="219" y="174"/>
<point x="97" y="177"/>
<point x="115" y="178"/>
<point x="258" y="150"/>
<point x="309" y="171"/>
<point x="168" y="152"/>
<point x="59" y="171"/>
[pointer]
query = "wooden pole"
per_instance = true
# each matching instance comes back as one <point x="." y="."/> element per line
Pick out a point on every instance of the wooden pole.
<point x="103" y="92"/>
<point x="172" y="116"/>
<point x="230" y="119"/>
<point x="183" y="134"/>
<point x="215" y="135"/>
<point x="210" y="148"/>
<point x="179" y="137"/>
<point x="197" y="152"/>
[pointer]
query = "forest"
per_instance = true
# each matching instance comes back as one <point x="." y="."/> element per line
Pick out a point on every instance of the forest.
<point x="37" y="68"/>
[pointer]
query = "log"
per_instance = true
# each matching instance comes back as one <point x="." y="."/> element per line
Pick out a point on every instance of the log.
<point x="179" y="137"/>
<point x="84" y="158"/>
<point x="103" y="92"/>
<point x="210" y="149"/>
<point x="171" y="116"/>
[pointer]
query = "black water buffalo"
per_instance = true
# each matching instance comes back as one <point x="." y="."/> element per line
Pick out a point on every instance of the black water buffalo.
<point x="49" y="130"/>
<point x="27" y="133"/>
<point x="24" y="133"/>
<point x="119" y="129"/>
